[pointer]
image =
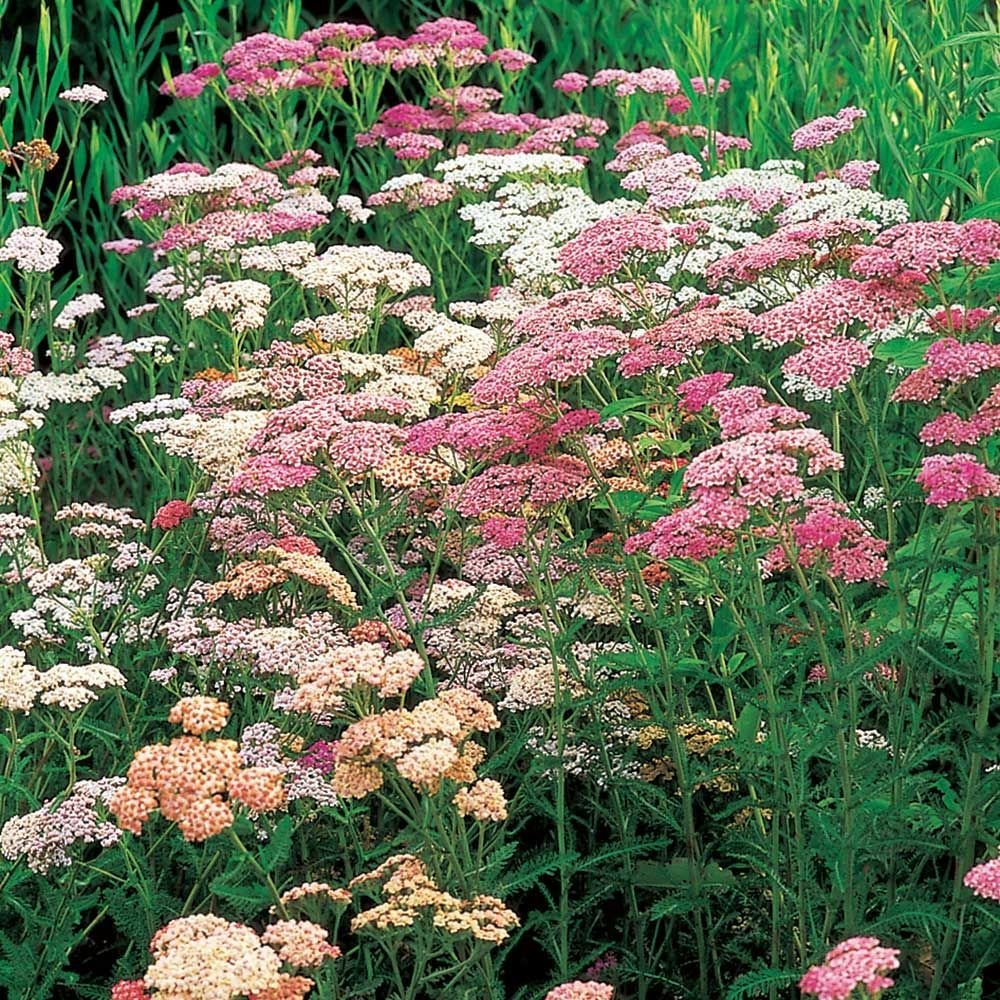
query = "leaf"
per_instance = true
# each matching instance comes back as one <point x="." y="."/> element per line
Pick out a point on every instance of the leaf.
<point x="903" y="352"/>
<point x="724" y="630"/>
<point x="627" y="502"/>
<point x="678" y="874"/>
<point x="972" y="990"/>
<point x="987" y="127"/>
<point x="254" y="897"/>
<point x="619" y="406"/>
<point x="278" y="847"/>
<point x="757" y="984"/>
<point x="748" y="723"/>
<point x="671" y="906"/>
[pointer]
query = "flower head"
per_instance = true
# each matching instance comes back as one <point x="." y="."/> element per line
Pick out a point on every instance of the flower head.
<point x="858" y="961"/>
<point x="87" y="94"/>
<point x="984" y="879"/>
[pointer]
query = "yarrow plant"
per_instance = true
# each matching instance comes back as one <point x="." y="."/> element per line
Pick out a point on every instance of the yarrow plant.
<point x="561" y="544"/>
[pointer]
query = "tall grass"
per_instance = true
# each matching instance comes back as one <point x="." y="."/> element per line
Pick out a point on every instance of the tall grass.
<point x="926" y="71"/>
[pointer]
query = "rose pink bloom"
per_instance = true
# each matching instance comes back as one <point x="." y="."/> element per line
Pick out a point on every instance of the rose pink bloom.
<point x="683" y="337"/>
<point x="858" y="173"/>
<point x="14" y="361"/>
<point x="958" y="319"/>
<point x="171" y="514"/>
<point x="190" y="85"/>
<point x="267" y="474"/>
<point x="697" y="393"/>
<point x="340" y="32"/>
<point x="602" y="249"/>
<point x="921" y="249"/>
<point x="947" y="362"/>
<point x="651" y="80"/>
<point x="858" y="961"/>
<point x="559" y="357"/>
<point x="743" y="410"/>
<point x="699" y="531"/>
<point x="762" y="468"/>
<point x="829" y="363"/>
<point x="505" y="489"/>
<point x="129" y="989"/>
<point x="984" y="879"/>
<point x="571" y="83"/>
<point x="790" y="245"/>
<point x="823" y="310"/>
<point x="531" y="428"/>
<point x="955" y="478"/>
<point x="822" y="131"/>
<point x="504" y="532"/>
<point x="512" y="60"/>
<point x="669" y="180"/>
<point x="828" y="537"/>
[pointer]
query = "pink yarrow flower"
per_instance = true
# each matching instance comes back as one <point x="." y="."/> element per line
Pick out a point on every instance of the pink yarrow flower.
<point x="571" y="83"/>
<point x="505" y="532"/>
<point x="122" y="247"/>
<point x="602" y="249"/>
<point x="984" y="879"/>
<point x="171" y="514"/>
<point x="949" y="479"/>
<point x="858" y="961"/>
<point x="918" y="250"/>
<point x="822" y="131"/>
<point x="578" y="990"/>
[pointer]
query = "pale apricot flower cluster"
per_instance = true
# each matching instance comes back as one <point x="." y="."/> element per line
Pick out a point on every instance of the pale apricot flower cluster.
<point x="483" y="800"/>
<point x="323" y="681"/>
<point x="199" y="714"/>
<point x="425" y="745"/>
<point x="310" y="890"/>
<point x="272" y="567"/>
<point x="579" y="990"/>
<point x="195" y="783"/>
<point x="409" y="894"/>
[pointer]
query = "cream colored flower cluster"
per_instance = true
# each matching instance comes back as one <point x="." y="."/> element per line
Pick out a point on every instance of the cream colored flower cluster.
<point x="411" y="895"/>
<point x="245" y="302"/>
<point x="480" y="171"/>
<point x="204" y="957"/>
<point x="359" y="278"/>
<point x="64" y="685"/>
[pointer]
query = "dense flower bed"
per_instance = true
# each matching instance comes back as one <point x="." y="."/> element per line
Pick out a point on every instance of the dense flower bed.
<point x="574" y="598"/>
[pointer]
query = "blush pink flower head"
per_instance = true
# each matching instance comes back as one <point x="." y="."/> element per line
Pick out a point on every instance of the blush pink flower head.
<point x="984" y="879"/>
<point x="579" y="990"/>
<point x="602" y="249"/>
